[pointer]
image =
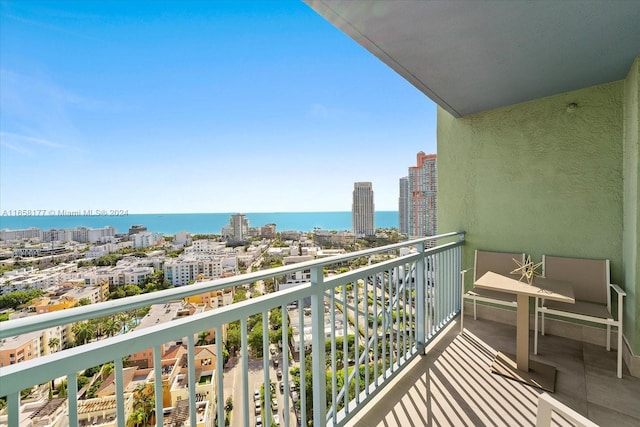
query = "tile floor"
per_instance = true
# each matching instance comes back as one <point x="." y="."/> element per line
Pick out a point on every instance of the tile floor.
<point x="453" y="385"/>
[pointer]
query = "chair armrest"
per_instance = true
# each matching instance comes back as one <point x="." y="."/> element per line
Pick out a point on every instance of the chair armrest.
<point x="463" y="273"/>
<point x="618" y="289"/>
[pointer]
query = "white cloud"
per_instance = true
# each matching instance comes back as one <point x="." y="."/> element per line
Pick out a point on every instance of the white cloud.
<point x="29" y="139"/>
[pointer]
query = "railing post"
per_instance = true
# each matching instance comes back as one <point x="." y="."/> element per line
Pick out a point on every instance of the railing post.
<point x="421" y="300"/>
<point x="13" y="404"/>
<point x="191" y="369"/>
<point x="157" y="373"/>
<point x="72" y="397"/>
<point x="220" y="403"/>
<point x="119" y="379"/>
<point x="317" y="348"/>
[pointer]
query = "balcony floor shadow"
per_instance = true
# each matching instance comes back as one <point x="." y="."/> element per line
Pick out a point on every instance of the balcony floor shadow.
<point x="452" y="385"/>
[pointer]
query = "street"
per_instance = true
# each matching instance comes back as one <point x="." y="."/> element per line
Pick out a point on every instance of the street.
<point x="233" y="387"/>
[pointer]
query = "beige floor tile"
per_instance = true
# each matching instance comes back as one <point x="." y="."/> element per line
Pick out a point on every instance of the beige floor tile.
<point x="608" y="417"/>
<point x="453" y="386"/>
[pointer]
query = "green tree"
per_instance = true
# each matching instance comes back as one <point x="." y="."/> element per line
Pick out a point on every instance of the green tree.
<point x="83" y="332"/>
<point x="62" y="389"/>
<point x="202" y="338"/>
<point x="239" y="295"/>
<point x="84" y="301"/>
<point x="54" y="344"/>
<point x="82" y="381"/>
<point x="107" y="369"/>
<point x="131" y="290"/>
<point x="17" y="298"/>
<point x="156" y="278"/>
<point x="255" y="339"/>
<point x="143" y="406"/>
<point x="117" y="294"/>
<point x="233" y="337"/>
<point x="111" y="327"/>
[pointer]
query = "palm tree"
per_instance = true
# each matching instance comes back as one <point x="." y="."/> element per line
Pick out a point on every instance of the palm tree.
<point x="143" y="406"/>
<point x="83" y="332"/>
<point x="54" y="343"/>
<point x="111" y="327"/>
<point x="202" y="338"/>
<point x="97" y="325"/>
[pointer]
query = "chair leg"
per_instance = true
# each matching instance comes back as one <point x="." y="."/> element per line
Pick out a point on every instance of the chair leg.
<point x="608" y="337"/>
<point x="462" y="316"/>
<point x="535" y="329"/>
<point x="620" y="350"/>
<point x="542" y="322"/>
<point x="475" y="316"/>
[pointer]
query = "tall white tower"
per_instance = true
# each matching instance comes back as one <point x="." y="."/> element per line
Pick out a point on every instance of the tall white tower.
<point x="362" y="209"/>
<point x="403" y="206"/>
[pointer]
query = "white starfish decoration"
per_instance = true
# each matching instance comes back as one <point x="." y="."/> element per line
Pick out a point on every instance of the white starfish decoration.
<point x="526" y="269"/>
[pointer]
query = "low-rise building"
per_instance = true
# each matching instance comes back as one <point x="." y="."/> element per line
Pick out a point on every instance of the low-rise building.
<point x="20" y="348"/>
<point x="333" y="238"/>
<point x="185" y="269"/>
<point x="145" y="239"/>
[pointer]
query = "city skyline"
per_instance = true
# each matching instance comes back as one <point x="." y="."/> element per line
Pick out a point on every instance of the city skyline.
<point x="197" y="107"/>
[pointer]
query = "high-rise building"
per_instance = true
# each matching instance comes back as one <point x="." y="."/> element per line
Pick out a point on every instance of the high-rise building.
<point x="403" y="206"/>
<point x="423" y="184"/>
<point x="238" y="228"/>
<point x="362" y="209"/>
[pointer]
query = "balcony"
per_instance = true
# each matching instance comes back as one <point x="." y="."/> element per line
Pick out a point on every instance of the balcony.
<point x="407" y="364"/>
<point x="452" y="384"/>
<point x="387" y="311"/>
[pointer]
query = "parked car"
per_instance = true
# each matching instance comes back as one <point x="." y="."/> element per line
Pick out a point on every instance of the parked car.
<point x="256" y="395"/>
<point x="281" y="387"/>
<point x="276" y="419"/>
<point x="259" y="421"/>
<point x="279" y="373"/>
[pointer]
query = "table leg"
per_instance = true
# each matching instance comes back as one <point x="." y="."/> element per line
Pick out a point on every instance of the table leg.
<point x="522" y="333"/>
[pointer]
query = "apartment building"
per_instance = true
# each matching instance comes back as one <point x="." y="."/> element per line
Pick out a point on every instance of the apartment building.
<point x="182" y="238"/>
<point x="20" y="348"/>
<point x="362" y="209"/>
<point x="325" y="238"/>
<point x="206" y="246"/>
<point x="422" y="193"/>
<point x="238" y="228"/>
<point x="145" y="239"/>
<point x="22" y="280"/>
<point x="268" y="231"/>
<point x="185" y="269"/>
<point x="25" y="234"/>
<point x="403" y="206"/>
<point x="118" y="275"/>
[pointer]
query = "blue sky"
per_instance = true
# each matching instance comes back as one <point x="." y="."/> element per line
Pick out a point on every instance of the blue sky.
<point x="202" y="106"/>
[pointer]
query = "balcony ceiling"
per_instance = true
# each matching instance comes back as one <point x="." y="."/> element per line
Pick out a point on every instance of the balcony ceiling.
<point x="470" y="56"/>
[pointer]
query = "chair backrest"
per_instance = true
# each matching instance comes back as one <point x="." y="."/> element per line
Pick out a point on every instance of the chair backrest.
<point x="589" y="277"/>
<point x="498" y="262"/>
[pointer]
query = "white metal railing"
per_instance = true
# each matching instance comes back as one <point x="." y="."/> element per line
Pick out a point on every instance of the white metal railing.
<point x="547" y="406"/>
<point x="385" y="312"/>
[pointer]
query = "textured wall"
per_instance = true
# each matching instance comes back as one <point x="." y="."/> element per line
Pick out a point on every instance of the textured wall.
<point x="539" y="177"/>
<point x="631" y="238"/>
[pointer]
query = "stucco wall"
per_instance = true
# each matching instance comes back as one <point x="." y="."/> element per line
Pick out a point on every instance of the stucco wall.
<point x="631" y="238"/>
<point x="539" y="177"/>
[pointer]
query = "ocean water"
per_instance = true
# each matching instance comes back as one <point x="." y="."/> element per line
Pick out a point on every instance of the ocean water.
<point x="195" y="223"/>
